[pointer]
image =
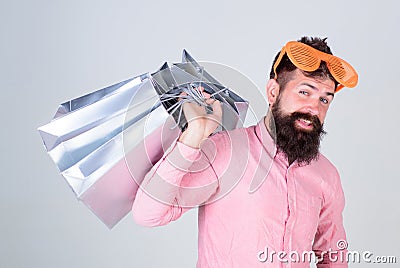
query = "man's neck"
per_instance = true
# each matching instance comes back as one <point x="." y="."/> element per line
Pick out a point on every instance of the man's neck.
<point x="270" y="124"/>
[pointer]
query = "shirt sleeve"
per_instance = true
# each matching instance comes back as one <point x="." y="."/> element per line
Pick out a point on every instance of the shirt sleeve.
<point x="330" y="244"/>
<point x="182" y="179"/>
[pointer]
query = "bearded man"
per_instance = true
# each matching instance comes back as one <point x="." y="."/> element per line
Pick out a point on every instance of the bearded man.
<point x="267" y="196"/>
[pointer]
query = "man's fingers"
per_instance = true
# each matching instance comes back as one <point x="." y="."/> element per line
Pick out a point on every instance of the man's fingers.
<point x="210" y="101"/>
<point x="217" y="109"/>
<point x="206" y="95"/>
<point x="182" y="94"/>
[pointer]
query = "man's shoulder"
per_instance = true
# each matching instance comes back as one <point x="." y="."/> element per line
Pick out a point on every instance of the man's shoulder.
<point x="240" y="131"/>
<point x="326" y="169"/>
<point x="323" y="160"/>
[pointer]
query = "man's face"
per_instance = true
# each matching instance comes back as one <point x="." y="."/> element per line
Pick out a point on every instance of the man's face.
<point x="306" y="95"/>
<point x="299" y="112"/>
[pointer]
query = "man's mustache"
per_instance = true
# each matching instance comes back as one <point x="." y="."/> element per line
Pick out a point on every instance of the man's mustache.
<point x="309" y="117"/>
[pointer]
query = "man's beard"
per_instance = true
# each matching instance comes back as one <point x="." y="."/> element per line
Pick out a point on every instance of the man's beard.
<point x="297" y="143"/>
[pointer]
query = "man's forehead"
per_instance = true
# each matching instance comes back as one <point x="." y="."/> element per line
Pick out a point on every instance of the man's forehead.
<point x="321" y="84"/>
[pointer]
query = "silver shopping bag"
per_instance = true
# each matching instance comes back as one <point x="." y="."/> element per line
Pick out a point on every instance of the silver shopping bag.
<point x="108" y="186"/>
<point x="82" y="125"/>
<point x="189" y="75"/>
<point x="86" y="145"/>
<point x="91" y="137"/>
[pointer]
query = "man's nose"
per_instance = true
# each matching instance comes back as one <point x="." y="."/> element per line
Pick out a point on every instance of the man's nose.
<point x="313" y="107"/>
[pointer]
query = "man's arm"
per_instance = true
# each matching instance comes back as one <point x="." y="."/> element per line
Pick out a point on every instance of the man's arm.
<point x="330" y="244"/>
<point x="184" y="177"/>
<point x="181" y="180"/>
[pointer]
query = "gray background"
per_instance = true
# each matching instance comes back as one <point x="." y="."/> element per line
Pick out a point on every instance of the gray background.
<point x="52" y="51"/>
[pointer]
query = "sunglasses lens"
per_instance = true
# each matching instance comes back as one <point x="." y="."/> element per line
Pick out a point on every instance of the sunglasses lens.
<point x="343" y="72"/>
<point x="303" y="58"/>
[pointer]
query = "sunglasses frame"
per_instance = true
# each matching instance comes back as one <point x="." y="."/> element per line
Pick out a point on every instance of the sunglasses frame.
<point x="318" y="56"/>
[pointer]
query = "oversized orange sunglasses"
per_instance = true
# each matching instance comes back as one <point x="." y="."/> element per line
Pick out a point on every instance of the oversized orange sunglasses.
<point x="309" y="59"/>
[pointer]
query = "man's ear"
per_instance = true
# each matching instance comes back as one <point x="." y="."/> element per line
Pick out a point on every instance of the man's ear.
<point x="272" y="91"/>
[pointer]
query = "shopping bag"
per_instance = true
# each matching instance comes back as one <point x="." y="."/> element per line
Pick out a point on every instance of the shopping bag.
<point x="91" y="137"/>
<point x="107" y="185"/>
<point x="189" y="75"/>
<point x="82" y="125"/>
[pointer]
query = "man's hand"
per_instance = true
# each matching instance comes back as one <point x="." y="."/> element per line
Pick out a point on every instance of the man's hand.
<point x="200" y="123"/>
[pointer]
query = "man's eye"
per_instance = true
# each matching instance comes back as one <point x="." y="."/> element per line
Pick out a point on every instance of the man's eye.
<point x="324" y="101"/>
<point x="303" y="92"/>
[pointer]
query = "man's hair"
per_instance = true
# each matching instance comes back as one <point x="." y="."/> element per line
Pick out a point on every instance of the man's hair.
<point x="286" y="67"/>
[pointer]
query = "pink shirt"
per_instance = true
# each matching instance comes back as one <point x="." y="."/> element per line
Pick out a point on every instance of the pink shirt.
<point x="253" y="203"/>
